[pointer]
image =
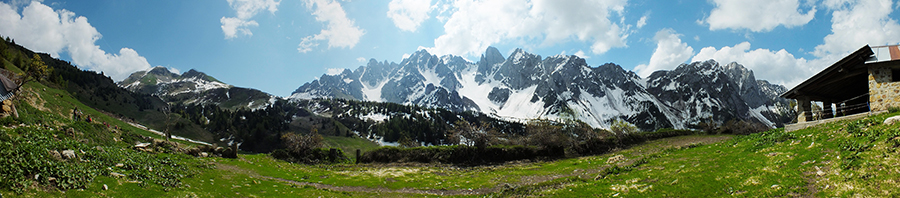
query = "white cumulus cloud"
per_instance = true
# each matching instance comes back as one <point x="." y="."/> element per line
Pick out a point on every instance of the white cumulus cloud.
<point x="757" y="15"/>
<point x="780" y="67"/>
<point x="174" y="70"/>
<point x="642" y="22"/>
<point x="42" y="29"/>
<point x="854" y="24"/>
<point x="857" y="23"/>
<point x="334" y="71"/>
<point x="245" y="9"/>
<point x="475" y="25"/>
<point x="339" y="30"/>
<point x="670" y="52"/>
<point x="581" y="54"/>
<point x="408" y="14"/>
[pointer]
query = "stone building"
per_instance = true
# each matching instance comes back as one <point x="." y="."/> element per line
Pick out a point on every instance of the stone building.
<point x="8" y="86"/>
<point x="867" y="80"/>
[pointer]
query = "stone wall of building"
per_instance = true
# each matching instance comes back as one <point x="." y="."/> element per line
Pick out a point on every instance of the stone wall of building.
<point x="883" y="91"/>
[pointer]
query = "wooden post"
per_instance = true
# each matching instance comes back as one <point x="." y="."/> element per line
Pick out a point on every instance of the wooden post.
<point x="234" y="150"/>
<point x="357" y="156"/>
<point x="826" y="110"/>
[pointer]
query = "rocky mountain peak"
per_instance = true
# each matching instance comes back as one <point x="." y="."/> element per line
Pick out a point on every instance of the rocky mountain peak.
<point x="161" y="71"/>
<point x="193" y="74"/>
<point x="194" y="87"/>
<point x="489" y="63"/>
<point x="492" y="56"/>
<point x="524" y="86"/>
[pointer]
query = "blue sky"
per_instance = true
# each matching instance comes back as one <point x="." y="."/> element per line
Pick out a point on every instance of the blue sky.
<point x="276" y="46"/>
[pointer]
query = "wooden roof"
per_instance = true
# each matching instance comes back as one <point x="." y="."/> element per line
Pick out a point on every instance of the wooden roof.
<point x="845" y="79"/>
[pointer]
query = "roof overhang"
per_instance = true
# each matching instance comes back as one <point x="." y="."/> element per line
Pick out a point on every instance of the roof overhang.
<point x="844" y="79"/>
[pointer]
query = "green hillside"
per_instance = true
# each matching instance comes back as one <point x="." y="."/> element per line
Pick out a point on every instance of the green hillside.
<point x="100" y="93"/>
<point x="849" y="158"/>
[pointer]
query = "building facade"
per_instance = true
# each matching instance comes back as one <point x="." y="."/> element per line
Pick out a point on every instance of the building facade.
<point x="867" y="80"/>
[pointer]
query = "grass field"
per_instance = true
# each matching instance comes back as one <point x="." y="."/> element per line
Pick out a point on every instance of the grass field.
<point x="843" y="159"/>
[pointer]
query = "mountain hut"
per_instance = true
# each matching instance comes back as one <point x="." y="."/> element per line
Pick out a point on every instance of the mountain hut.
<point x="866" y="81"/>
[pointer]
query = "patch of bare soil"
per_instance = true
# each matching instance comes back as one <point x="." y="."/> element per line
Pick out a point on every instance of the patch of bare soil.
<point x="33" y="99"/>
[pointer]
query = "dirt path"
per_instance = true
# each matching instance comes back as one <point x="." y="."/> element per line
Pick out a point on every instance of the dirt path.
<point x="525" y="181"/>
<point x="251" y="173"/>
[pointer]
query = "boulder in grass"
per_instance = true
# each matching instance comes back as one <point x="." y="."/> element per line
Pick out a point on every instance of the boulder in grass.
<point x="68" y="154"/>
<point x="615" y="159"/>
<point x="141" y="145"/>
<point x="892" y="120"/>
<point x="55" y="154"/>
<point x="115" y="174"/>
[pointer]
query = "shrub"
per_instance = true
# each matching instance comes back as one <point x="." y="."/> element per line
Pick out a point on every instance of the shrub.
<point x="307" y="149"/>
<point x="296" y="142"/>
<point x="544" y="139"/>
<point x="480" y="136"/>
<point x="456" y="154"/>
<point x="741" y="127"/>
<point x="621" y="128"/>
<point x="667" y="132"/>
<point x="595" y="146"/>
<point x="708" y="126"/>
<point x="312" y="156"/>
<point x="547" y="136"/>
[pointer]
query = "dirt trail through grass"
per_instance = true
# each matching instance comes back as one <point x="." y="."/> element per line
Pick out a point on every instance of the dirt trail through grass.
<point x="635" y="153"/>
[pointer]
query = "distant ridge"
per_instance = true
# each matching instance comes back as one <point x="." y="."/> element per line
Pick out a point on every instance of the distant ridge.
<point x="526" y="86"/>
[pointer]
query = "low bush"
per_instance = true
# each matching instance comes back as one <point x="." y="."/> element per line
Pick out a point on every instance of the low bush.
<point x="307" y="149"/>
<point x="471" y="155"/>
<point x="667" y="133"/>
<point x="312" y="156"/>
<point x="457" y="154"/>
<point x="741" y="127"/>
<point x="596" y="146"/>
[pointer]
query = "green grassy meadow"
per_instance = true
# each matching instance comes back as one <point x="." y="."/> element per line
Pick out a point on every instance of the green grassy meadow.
<point x="857" y="158"/>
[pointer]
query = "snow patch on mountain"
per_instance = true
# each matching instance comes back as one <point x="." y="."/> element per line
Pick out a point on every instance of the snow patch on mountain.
<point x="757" y="113"/>
<point x="478" y="93"/>
<point x="524" y="87"/>
<point x="519" y="105"/>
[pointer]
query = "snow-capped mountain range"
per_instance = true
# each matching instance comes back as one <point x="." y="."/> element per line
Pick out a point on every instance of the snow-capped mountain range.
<point x="194" y="87"/>
<point x="525" y="86"/>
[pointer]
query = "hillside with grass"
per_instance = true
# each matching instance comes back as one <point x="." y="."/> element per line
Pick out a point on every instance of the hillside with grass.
<point x="849" y="158"/>
<point x="99" y="92"/>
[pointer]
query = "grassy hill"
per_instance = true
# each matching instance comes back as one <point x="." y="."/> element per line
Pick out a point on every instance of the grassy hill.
<point x="849" y="158"/>
<point x="100" y="93"/>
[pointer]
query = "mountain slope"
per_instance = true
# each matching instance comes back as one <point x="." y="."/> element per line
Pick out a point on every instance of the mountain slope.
<point x="194" y="87"/>
<point x="100" y="92"/>
<point x="526" y="86"/>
